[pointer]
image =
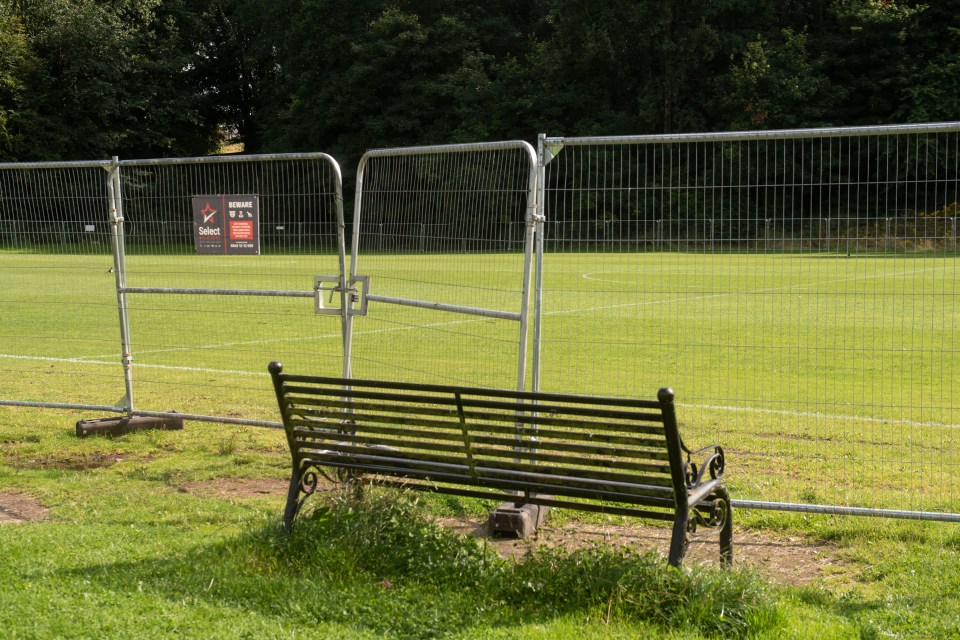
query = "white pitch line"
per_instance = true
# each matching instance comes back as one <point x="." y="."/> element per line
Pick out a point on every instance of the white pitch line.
<point x="225" y="345"/>
<point x="51" y="359"/>
<point x="706" y="296"/>
<point x="782" y="412"/>
<point x="113" y="363"/>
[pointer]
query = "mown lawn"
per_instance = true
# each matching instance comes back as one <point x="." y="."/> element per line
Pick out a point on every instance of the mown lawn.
<point x="128" y="548"/>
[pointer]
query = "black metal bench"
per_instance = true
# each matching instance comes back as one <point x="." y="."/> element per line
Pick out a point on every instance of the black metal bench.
<point x="610" y="455"/>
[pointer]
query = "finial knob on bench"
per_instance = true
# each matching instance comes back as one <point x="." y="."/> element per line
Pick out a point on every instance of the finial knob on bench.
<point x="665" y="394"/>
<point x="275" y="367"/>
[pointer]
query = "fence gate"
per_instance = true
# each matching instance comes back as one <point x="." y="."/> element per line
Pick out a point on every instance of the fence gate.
<point x="58" y="316"/>
<point x="228" y="263"/>
<point x="798" y="289"/>
<point x="441" y="258"/>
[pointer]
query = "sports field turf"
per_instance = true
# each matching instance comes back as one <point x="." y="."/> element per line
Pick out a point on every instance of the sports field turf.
<point x="827" y="378"/>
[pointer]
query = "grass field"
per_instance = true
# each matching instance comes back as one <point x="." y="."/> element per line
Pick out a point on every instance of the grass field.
<point x="827" y="379"/>
<point x="143" y="537"/>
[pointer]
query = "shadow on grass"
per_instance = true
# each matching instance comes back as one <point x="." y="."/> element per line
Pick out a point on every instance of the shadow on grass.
<point x="376" y="565"/>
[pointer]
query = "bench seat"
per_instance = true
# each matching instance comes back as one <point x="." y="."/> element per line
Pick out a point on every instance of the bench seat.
<point x="609" y="455"/>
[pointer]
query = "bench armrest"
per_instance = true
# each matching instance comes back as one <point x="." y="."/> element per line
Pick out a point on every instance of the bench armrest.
<point x="702" y="492"/>
<point x="714" y="462"/>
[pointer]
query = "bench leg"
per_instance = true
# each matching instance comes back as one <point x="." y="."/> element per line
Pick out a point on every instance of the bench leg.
<point x="293" y="499"/>
<point x="678" y="542"/>
<point x="726" y="531"/>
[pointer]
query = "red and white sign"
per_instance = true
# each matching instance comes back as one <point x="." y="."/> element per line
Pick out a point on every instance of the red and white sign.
<point x="226" y="224"/>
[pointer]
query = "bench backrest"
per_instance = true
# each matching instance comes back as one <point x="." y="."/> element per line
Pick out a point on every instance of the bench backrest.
<point x="497" y="442"/>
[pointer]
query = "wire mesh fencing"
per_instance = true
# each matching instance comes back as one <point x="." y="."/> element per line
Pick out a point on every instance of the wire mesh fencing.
<point x="219" y="278"/>
<point x="58" y="306"/>
<point x="798" y="290"/>
<point x="445" y="235"/>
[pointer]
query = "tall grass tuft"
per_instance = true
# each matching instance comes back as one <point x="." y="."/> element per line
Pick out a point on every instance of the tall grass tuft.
<point x="384" y="537"/>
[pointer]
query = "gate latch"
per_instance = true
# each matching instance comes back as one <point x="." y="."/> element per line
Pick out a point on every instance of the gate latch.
<point x="329" y="287"/>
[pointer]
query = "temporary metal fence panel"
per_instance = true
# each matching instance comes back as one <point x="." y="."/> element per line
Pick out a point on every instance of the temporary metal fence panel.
<point x="797" y="289"/>
<point x="58" y="304"/>
<point x="444" y="235"/>
<point x="231" y="262"/>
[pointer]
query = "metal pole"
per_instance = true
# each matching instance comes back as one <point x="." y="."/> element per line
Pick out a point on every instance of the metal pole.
<point x="354" y="251"/>
<point x="776" y="134"/>
<point x="532" y="219"/>
<point x="120" y="274"/>
<point x="538" y="257"/>
<point x="346" y="296"/>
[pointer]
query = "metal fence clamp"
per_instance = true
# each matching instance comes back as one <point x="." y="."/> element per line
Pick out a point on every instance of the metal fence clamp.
<point x="327" y="286"/>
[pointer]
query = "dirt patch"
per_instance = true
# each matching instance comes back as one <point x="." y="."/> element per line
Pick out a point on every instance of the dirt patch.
<point x="17" y="508"/>
<point x="246" y="487"/>
<point x="78" y="462"/>
<point x="236" y="487"/>
<point x="787" y="560"/>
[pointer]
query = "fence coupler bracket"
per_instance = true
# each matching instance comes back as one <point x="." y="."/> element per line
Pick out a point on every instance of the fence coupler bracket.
<point x="331" y="283"/>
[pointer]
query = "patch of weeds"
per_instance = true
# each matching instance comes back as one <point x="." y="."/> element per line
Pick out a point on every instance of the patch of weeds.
<point x="628" y="585"/>
<point x="146" y="474"/>
<point x="386" y="535"/>
<point x="226" y="446"/>
<point x="383" y="538"/>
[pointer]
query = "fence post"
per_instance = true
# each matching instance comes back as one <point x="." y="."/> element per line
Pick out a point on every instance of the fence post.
<point x="120" y="275"/>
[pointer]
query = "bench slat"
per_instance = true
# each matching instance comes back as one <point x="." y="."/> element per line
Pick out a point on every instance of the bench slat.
<point x="285" y="380"/>
<point x="296" y="402"/>
<point x="583" y="408"/>
<point x="649" y="495"/>
<point x="509" y="443"/>
<point x="368" y="422"/>
<point x="547" y="501"/>
<point x="426" y="460"/>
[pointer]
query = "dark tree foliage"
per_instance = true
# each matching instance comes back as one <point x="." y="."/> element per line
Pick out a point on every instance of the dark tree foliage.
<point x="104" y="78"/>
<point x="94" y="78"/>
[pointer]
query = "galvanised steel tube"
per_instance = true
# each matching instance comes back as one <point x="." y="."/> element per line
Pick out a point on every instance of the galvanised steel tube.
<point x="204" y="418"/>
<point x="439" y="306"/>
<point x="846" y="511"/>
<point x="505" y="145"/>
<point x="532" y="218"/>
<point x="346" y="297"/>
<point x="120" y="274"/>
<point x="154" y="162"/>
<point x="777" y="134"/>
<point x="538" y="253"/>
<point x="222" y="292"/>
<point x="73" y="164"/>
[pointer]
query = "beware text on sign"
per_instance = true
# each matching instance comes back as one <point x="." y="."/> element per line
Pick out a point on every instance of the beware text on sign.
<point x="226" y="224"/>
